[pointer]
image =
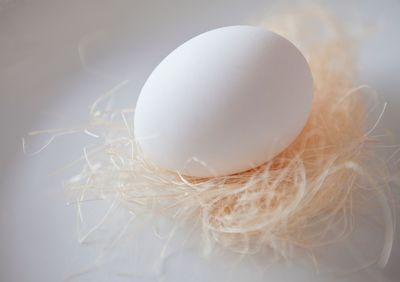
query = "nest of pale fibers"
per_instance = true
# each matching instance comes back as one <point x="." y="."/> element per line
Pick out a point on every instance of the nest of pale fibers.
<point x="290" y="201"/>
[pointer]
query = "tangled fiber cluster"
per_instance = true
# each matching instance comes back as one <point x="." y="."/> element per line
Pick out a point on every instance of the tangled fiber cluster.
<point x="292" y="200"/>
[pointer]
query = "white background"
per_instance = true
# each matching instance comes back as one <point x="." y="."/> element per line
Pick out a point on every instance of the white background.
<point x="43" y="84"/>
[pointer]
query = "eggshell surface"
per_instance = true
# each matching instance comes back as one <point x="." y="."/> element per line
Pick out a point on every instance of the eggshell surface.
<point x="224" y="102"/>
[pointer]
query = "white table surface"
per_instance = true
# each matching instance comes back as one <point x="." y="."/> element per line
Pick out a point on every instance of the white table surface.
<point x="43" y="84"/>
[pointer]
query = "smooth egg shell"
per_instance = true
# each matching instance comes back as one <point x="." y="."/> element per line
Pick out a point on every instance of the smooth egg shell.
<point x="223" y="102"/>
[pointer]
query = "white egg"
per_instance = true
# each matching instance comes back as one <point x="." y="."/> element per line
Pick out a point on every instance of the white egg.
<point x="223" y="102"/>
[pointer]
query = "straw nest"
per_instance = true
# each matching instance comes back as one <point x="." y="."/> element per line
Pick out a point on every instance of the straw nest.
<point x="290" y="201"/>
